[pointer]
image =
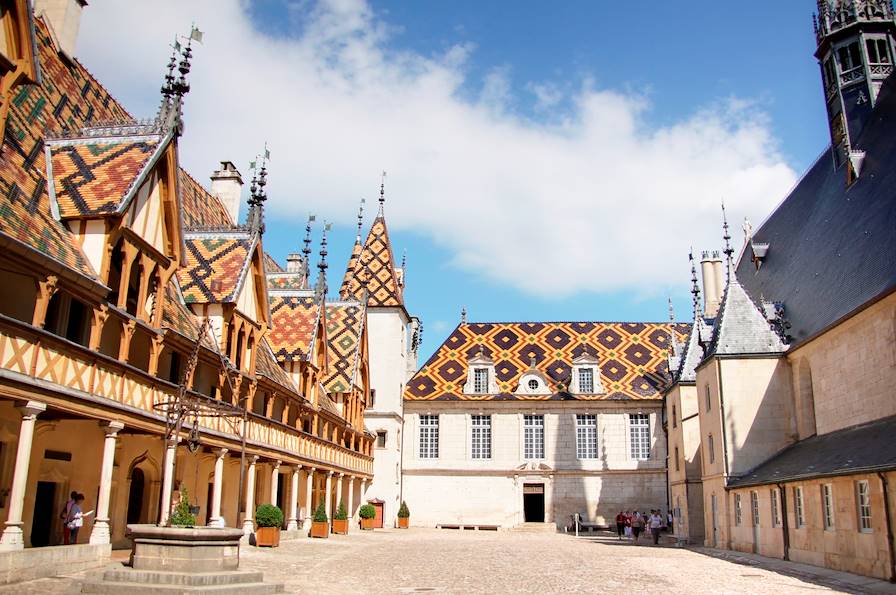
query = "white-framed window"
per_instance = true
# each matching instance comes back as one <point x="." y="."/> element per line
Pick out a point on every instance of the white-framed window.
<point x="754" y="507"/>
<point x="708" y="397"/>
<point x="586" y="381"/>
<point x="481" y="437"/>
<point x="738" y="511"/>
<point x="776" y="519"/>
<point x="480" y="380"/>
<point x="711" y="447"/>
<point x="533" y="436"/>
<point x="639" y="436"/>
<point x="827" y="505"/>
<point x="381" y="438"/>
<point x="798" y="507"/>
<point x="863" y="502"/>
<point x="429" y="436"/>
<point x="586" y="436"/>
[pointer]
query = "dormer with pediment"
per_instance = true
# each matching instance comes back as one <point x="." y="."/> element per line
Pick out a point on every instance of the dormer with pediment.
<point x="585" y="376"/>
<point x="481" y="378"/>
<point x="533" y="382"/>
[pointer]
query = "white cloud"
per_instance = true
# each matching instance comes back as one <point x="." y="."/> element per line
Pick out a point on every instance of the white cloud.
<point x="593" y="199"/>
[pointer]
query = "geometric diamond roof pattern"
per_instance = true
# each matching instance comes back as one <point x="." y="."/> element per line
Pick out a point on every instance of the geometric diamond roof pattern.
<point x="293" y="325"/>
<point x="374" y="270"/>
<point x="200" y="208"/>
<point x="344" y="328"/>
<point x="215" y="266"/>
<point x="632" y="359"/>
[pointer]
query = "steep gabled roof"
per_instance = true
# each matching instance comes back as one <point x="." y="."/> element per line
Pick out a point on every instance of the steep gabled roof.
<point x="631" y="356"/>
<point x="266" y="365"/>
<point x="692" y="353"/>
<point x="217" y="262"/>
<point x="271" y="265"/>
<point x="201" y="208"/>
<point x="177" y="317"/>
<point x="346" y="290"/>
<point x="67" y="98"/>
<point x="740" y="327"/>
<point x="375" y="270"/>
<point x="294" y="320"/>
<point x="345" y="325"/>
<point x="831" y="246"/>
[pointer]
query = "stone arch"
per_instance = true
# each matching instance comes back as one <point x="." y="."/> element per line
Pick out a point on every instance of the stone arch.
<point x="143" y="484"/>
<point x="806" y="410"/>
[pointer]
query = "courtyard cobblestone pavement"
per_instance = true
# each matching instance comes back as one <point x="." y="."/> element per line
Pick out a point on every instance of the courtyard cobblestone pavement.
<point x="462" y="562"/>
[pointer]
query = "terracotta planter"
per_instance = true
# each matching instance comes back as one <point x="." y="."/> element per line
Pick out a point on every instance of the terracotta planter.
<point x="403" y="522"/>
<point x="340" y="527"/>
<point x="320" y="529"/>
<point x="367" y="524"/>
<point x="267" y="536"/>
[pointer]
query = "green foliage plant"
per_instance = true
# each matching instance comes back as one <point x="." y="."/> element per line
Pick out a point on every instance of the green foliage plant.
<point x="403" y="511"/>
<point x="268" y="515"/>
<point x="182" y="517"/>
<point x="367" y="511"/>
<point x="320" y="514"/>
<point x="341" y="512"/>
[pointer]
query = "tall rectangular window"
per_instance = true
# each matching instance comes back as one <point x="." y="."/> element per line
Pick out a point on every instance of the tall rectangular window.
<point x="798" y="507"/>
<point x="754" y="508"/>
<point x="738" y="511"/>
<point x="776" y="519"/>
<point x="429" y="436"/>
<point x="674" y="417"/>
<point x="708" y="397"/>
<point x="533" y="436"/>
<point x="677" y="465"/>
<point x="480" y="380"/>
<point x="639" y="435"/>
<point x="863" y="500"/>
<point x="878" y="52"/>
<point x="711" y="446"/>
<point x="381" y="439"/>
<point x="827" y="505"/>
<point x="586" y="381"/>
<point x="586" y="436"/>
<point x="481" y="445"/>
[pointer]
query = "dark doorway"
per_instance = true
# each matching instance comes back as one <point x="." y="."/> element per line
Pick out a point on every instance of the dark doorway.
<point x="281" y="493"/>
<point x="533" y="502"/>
<point x="135" y="496"/>
<point x="42" y="521"/>
<point x="208" y="502"/>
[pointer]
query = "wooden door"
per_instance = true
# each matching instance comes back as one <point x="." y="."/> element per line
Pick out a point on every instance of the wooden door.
<point x="378" y="518"/>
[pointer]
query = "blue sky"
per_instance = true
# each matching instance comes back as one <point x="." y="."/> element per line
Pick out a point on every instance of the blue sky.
<point x="524" y="141"/>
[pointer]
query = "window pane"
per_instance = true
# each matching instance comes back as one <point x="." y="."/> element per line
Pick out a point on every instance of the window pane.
<point x="586" y="380"/>
<point x="429" y="436"/>
<point x="586" y="436"/>
<point x="480" y="380"/>
<point x="481" y="446"/>
<point x="639" y="436"/>
<point x="864" y="501"/>
<point x="533" y="436"/>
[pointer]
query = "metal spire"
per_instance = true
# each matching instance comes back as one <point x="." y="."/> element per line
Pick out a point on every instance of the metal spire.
<point x="729" y="251"/>
<point x="306" y="253"/>
<point x="463" y="315"/>
<point x="382" y="193"/>
<point x="695" y="288"/>
<point x="672" y="341"/>
<point x="257" y="193"/>
<point x="322" y="263"/>
<point x="360" y="221"/>
<point x="170" y="114"/>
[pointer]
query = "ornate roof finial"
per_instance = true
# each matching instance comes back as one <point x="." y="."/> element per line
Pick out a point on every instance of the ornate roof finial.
<point x="729" y="251"/>
<point x="360" y="221"/>
<point x="257" y="193"/>
<point x="695" y="287"/>
<point x="463" y="315"/>
<point x="322" y="264"/>
<point x="382" y="192"/>
<point x="306" y="253"/>
<point x="671" y="310"/>
<point x="174" y="89"/>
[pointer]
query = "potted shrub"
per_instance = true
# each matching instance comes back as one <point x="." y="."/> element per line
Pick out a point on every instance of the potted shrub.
<point x="268" y="519"/>
<point x="367" y="512"/>
<point x="340" y="520"/>
<point x="403" y="515"/>
<point x="320" y="526"/>
<point x="182" y="515"/>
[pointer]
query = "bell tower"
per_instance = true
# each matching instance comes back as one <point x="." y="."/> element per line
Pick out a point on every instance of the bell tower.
<point x="855" y="51"/>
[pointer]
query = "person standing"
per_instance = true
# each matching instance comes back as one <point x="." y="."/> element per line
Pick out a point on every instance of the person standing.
<point x="64" y="516"/>
<point x="637" y="525"/>
<point x="620" y="524"/>
<point x="656" y="525"/>
<point x="76" y="516"/>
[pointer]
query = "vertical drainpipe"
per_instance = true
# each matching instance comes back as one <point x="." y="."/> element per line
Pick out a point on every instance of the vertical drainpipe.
<point x="887" y="518"/>
<point x="785" y="529"/>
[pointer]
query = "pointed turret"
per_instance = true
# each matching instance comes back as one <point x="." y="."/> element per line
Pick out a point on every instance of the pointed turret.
<point x="698" y="337"/>
<point x="345" y="292"/>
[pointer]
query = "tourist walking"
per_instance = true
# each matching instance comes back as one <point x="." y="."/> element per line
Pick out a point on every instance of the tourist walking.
<point x="76" y="518"/>
<point x="64" y="516"/>
<point x="637" y="525"/>
<point x="620" y="524"/>
<point x="656" y="525"/>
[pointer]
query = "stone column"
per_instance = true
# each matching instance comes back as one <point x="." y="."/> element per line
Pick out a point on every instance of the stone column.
<point x="167" y="482"/>
<point x="101" y="532"/>
<point x="215" y="518"/>
<point x="292" y="523"/>
<point x="327" y="495"/>
<point x="13" y="538"/>
<point x="249" y="516"/>
<point x="351" y="497"/>
<point x="275" y="482"/>
<point x="339" y="482"/>
<point x="309" y="488"/>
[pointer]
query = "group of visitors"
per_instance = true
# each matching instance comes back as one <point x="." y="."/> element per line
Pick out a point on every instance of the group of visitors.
<point x="73" y="518"/>
<point x="632" y="524"/>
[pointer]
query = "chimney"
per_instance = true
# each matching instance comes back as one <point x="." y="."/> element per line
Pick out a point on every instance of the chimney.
<point x="64" y="19"/>
<point x="227" y="185"/>
<point x="294" y="263"/>
<point x="711" y="268"/>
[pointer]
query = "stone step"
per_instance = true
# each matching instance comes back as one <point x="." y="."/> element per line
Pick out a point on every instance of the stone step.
<point x="161" y="577"/>
<point x="535" y="528"/>
<point x="117" y="588"/>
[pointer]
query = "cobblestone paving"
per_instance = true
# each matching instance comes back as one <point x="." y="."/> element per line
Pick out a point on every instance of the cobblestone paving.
<point x="440" y="561"/>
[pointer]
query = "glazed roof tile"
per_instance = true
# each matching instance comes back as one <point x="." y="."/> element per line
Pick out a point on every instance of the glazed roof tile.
<point x="177" y="317"/>
<point x="201" y="208"/>
<point x="632" y="359"/>
<point x="346" y="290"/>
<point x="345" y="324"/>
<point x="375" y="270"/>
<point x="91" y="178"/>
<point x="216" y="264"/>
<point x="68" y="97"/>
<point x="286" y="282"/>
<point x="271" y="265"/>
<point x="266" y="365"/>
<point x="294" y="321"/>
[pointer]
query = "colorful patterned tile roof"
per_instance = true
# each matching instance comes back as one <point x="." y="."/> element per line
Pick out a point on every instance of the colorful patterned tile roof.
<point x="67" y="98"/>
<point x="293" y="324"/>
<point x="178" y="317"/>
<point x="92" y="178"/>
<point x="345" y="324"/>
<point x="632" y="359"/>
<point x="345" y="291"/>
<point x="375" y="270"/>
<point x="271" y="265"/>
<point x="201" y="208"/>
<point x="216" y="263"/>
<point x="266" y="365"/>
<point x="286" y="281"/>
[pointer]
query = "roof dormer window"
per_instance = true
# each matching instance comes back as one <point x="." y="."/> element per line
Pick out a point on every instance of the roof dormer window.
<point x="585" y="376"/>
<point x="533" y="384"/>
<point x="481" y="375"/>
<point x="480" y="380"/>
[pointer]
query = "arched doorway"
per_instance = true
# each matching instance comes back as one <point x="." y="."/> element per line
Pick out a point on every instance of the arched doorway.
<point x="135" y="496"/>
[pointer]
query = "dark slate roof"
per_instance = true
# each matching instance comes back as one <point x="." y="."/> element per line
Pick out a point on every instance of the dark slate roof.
<point x="693" y="350"/>
<point x="862" y="448"/>
<point x="831" y="248"/>
<point x="741" y="327"/>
